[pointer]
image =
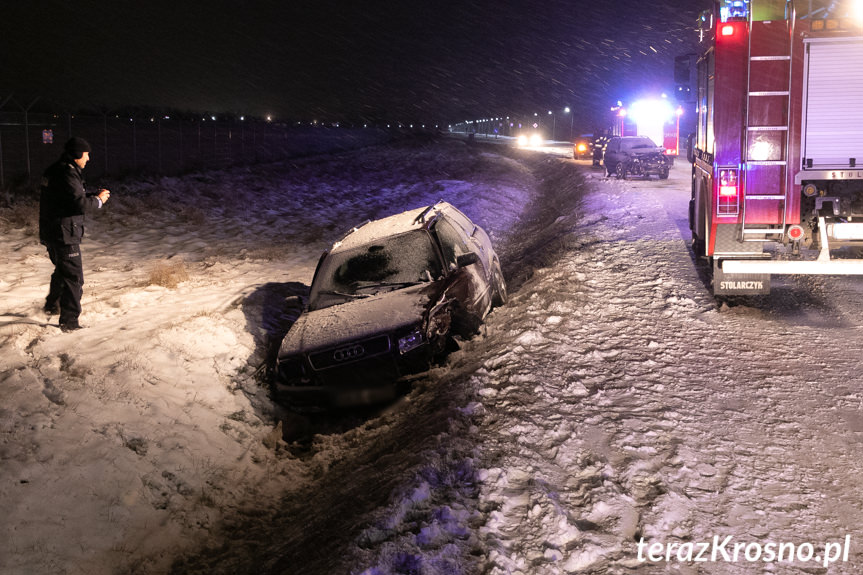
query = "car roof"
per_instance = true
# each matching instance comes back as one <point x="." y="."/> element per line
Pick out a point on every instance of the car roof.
<point x="416" y="219"/>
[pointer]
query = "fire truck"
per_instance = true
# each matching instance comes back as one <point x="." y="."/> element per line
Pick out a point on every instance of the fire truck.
<point x="776" y="183"/>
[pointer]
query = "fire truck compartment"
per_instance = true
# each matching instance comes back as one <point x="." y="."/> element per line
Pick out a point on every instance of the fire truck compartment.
<point x="833" y="117"/>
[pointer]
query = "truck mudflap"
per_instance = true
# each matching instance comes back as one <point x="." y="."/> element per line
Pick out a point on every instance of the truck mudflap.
<point x="725" y="283"/>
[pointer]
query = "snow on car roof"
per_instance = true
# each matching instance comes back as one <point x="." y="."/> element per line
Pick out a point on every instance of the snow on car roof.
<point x="385" y="227"/>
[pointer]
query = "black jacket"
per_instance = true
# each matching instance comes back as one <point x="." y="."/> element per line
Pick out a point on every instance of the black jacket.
<point x="62" y="203"/>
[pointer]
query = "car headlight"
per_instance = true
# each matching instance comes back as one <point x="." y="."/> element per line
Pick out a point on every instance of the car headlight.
<point x="411" y="341"/>
<point x="522" y="140"/>
<point x="536" y="140"/>
<point x="291" y="368"/>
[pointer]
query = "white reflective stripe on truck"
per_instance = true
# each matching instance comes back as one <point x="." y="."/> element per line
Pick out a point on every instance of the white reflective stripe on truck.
<point x="812" y="267"/>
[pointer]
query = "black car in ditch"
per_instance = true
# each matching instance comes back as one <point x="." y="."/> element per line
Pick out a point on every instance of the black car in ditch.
<point x="635" y="156"/>
<point x="384" y="302"/>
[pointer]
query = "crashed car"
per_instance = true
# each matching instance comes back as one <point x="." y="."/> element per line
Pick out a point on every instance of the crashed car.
<point x="385" y="301"/>
<point x="635" y="156"/>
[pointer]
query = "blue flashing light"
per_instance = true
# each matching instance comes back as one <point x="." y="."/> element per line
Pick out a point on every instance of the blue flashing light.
<point x="732" y="10"/>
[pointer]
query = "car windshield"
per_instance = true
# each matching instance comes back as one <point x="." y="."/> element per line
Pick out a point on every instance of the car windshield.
<point x="629" y="144"/>
<point x="390" y="263"/>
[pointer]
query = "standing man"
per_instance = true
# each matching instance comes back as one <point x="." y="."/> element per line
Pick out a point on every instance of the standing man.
<point x="61" y="226"/>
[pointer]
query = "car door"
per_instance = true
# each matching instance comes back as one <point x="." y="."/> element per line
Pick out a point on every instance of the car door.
<point x="468" y="284"/>
<point x="479" y="240"/>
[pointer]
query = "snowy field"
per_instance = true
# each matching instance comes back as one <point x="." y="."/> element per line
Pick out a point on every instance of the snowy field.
<point x="612" y="401"/>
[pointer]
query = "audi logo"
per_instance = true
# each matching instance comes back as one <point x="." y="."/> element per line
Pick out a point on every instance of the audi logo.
<point x="347" y="353"/>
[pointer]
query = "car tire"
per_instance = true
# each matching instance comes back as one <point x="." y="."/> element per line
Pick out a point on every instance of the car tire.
<point x="663" y="175"/>
<point x="620" y="171"/>
<point x="499" y="295"/>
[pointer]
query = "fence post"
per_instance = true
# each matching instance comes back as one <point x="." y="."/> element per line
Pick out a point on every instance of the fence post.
<point x="159" y="138"/>
<point x="27" y="137"/>
<point x="182" y="166"/>
<point x="105" y="118"/>
<point x="2" y="172"/>
<point x="134" y="145"/>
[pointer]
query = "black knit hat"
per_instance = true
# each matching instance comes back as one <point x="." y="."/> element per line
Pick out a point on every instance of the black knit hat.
<point x="76" y="147"/>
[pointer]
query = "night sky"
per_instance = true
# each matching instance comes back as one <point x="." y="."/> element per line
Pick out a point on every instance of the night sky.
<point x="432" y="61"/>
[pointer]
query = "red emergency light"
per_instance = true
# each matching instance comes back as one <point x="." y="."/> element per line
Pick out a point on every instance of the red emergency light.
<point x="727" y="30"/>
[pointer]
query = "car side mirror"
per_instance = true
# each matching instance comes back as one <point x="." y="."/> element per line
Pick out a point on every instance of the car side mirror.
<point x="294" y="301"/>
<point x="467" y="259"/>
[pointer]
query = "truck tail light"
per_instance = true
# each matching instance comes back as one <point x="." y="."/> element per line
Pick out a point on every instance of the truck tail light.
<point x="727" y="182"/>
<point x="727" y="30"/>
<point x="729" y="191"/>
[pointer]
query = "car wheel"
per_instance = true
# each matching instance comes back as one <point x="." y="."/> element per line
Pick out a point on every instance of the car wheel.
<point x="498" y="286"/>
<point x="620" y="171"/>
<point x="663" y="175"/>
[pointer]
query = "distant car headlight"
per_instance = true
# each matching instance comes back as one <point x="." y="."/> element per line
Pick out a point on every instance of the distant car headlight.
<point x="535" y="140"/>
<point x="522" y="141"/>
<point x="581" y="148"/>
<point x="411" y="341"/>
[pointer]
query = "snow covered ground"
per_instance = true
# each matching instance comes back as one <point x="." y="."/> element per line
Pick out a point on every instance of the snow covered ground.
<point x="611" y="400"/>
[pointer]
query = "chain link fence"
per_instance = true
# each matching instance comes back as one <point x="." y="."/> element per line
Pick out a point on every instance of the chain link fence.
<point x="160" y="144"/>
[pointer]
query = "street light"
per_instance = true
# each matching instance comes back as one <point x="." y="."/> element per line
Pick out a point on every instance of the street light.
<point x="553" y="124"/>
<point x="571" y="117"/>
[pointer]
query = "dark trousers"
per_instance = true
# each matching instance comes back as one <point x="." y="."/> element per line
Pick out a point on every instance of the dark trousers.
<point x="67" y="281"/>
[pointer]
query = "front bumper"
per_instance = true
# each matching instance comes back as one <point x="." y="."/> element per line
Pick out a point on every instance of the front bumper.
<point x="367" y="380"/>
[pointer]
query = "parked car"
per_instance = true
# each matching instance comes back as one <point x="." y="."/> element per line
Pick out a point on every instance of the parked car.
<point x="385" y="301"/>
<point x="635" y="155"/>
<point x="582" y="148"/>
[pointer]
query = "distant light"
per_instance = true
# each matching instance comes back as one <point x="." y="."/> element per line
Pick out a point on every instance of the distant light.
<point x="242" y="118"/>
<point x="566" y="110"/>
<point x="269" y="118"/>
<point x="213" y="118"/>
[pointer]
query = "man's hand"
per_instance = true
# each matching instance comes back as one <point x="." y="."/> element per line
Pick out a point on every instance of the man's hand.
<point x="103" y="195"/>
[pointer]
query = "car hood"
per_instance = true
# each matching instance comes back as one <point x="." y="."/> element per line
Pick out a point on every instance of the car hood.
<point x="358" y="319"/>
